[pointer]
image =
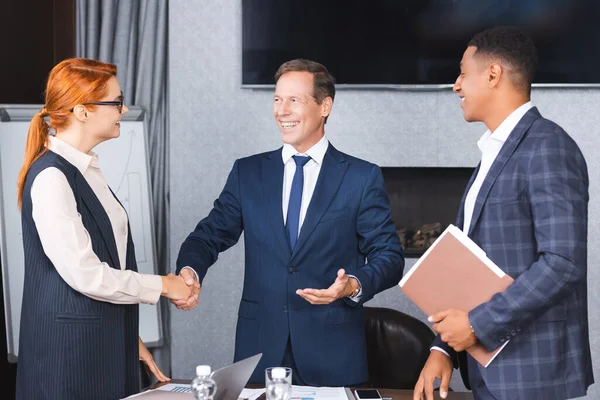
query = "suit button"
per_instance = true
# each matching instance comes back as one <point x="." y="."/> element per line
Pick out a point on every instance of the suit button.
<point x="285" y="309"/>
<point x="513" y="332"/>
<point x="291" y="269"/>
<point x="518" y="329"/>
<point x="502" y="340"/>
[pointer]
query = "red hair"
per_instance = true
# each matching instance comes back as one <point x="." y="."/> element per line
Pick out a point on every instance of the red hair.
<point x="71" y="82"/>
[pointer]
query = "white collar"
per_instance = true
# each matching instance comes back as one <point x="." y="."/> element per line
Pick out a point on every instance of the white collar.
<point x="80" y="160"/>
<point x="317" y="152"/>
<point x="508" y="125"/>
<point x="503" y="131"/>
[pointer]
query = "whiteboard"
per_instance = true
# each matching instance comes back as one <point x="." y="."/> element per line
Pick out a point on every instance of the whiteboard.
<point x="124" y="163"/>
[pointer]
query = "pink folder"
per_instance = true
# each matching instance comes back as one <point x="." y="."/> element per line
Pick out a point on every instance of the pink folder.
<point x="455" y="273"/>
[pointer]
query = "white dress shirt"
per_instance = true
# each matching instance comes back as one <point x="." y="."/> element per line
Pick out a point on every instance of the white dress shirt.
<point x="311" y="174"/>
<point x="67" y="243"/>
<point x="490" y="145"/>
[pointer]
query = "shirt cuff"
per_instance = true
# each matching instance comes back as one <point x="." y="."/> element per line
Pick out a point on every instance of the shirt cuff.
<point x="440" y="350"/>
<point x="191" y="269"/>
<point x="358" y="296"/>
<point x="151" y="288"/>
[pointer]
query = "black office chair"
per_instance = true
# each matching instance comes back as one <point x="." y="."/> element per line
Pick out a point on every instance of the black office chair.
<point x="397" y="348"/>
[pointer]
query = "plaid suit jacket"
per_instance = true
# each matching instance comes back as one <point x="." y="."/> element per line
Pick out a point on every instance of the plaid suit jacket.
<point x="530" y="217"/>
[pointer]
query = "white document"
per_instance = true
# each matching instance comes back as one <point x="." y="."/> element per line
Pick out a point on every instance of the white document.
<point x="251" y="394"/>
<point x="303" y="393"/>
<point x="318" y="393"/>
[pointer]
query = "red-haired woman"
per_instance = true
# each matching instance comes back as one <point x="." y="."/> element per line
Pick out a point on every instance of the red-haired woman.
<point x="79" y="320"/>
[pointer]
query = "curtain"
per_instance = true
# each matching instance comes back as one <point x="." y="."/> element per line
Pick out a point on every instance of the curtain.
<point x="133" y="35"/>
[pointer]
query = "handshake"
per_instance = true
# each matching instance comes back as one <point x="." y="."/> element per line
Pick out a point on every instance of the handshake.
<point x="183" y="290"/>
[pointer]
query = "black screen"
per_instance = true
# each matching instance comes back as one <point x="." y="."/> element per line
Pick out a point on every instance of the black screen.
<point x="414" y="42"/>
<point x="366" y="394"/>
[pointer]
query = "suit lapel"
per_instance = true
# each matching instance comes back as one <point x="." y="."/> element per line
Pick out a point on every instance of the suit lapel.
<point x="272" y="184"/>
<point x="90" y="200"/>
<point x="505" y="153"/>
<point x="331" y="174"/>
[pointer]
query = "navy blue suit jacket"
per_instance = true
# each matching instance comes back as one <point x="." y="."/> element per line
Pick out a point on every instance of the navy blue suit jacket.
<point x="348" y="225"/>
<point x="531" y="218"/>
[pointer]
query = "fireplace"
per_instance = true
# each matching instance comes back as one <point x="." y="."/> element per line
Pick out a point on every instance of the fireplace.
<point x="424" y="202"/>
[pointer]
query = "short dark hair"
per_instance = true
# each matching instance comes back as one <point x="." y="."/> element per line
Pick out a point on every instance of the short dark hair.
<point x="513" y="47"/>
<point x="323" y="81"/>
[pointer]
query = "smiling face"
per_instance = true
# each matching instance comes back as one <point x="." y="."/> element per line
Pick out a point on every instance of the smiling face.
<point x="105" y="120"/>
<point x="300" y="119"/>
<point x="472" y="86"/>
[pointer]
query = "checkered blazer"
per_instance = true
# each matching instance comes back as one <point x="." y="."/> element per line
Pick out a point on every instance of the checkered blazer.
<point x="530" y="218"/>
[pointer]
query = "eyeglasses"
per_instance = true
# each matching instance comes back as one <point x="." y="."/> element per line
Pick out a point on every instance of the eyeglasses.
<point x="117" y="103"/>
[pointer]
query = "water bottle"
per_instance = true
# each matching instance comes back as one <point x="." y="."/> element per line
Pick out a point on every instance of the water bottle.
<point x="278" y="388"/>
<point x="203" y="386"/>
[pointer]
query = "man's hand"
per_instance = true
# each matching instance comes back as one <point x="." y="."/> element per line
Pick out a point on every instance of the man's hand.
<point x="454" y="328"/>
<point x="438" y="365"/>
<point x="190" y="279"/>
<point x="342" y="287"/>
<point x="175" y="288"/>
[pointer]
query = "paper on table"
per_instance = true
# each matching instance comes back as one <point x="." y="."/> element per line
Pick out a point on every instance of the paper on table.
<point x="318" y="393"/>
<point x="305" y="393"/>
<point x="251" y="394"/>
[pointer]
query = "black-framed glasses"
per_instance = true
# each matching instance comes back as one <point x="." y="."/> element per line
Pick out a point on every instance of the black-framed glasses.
<point x="117" y="103"/>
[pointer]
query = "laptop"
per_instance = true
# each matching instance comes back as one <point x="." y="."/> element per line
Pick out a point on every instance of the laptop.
<point x="230" y="381"/>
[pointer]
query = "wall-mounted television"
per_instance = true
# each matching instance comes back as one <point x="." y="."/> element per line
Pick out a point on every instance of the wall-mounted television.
<point x="414" y="43"/>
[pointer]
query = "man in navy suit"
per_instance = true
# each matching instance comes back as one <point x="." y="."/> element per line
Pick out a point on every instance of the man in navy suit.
<point x="526" y="206"/>
<point x="319" y="241"/>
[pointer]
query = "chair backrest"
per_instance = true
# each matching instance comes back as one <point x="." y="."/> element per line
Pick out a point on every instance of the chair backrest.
<point x="397" y="348"/>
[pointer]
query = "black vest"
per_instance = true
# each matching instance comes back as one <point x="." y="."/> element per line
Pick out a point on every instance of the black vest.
<point x="70" y="345"/>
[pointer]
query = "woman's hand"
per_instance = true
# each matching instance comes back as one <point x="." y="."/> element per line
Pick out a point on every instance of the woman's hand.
<point x="175" y="288"/>
<point x="148" y="360"/>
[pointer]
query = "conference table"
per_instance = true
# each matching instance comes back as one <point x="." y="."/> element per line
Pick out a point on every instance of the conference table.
<point x="394" y="394"/>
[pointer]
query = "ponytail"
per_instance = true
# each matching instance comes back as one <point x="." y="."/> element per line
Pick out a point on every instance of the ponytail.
<point x="36" y="146"/>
